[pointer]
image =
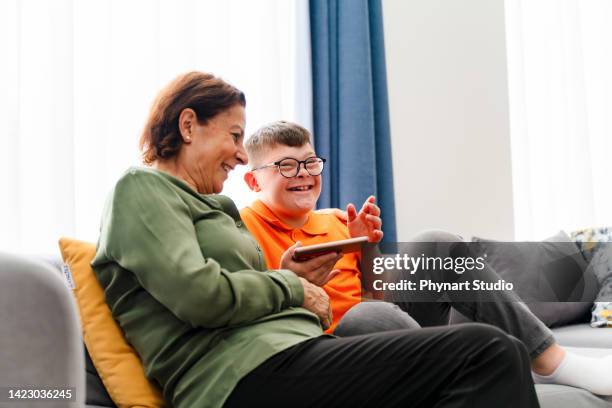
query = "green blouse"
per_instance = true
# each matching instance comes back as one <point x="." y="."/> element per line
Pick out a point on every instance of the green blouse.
<point x="183" y="277"/>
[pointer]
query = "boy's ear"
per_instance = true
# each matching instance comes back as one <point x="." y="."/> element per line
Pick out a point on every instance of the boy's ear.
<point x="251" y="181"/>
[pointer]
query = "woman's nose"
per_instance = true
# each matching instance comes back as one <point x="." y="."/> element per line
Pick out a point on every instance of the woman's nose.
<point x="241" y="155"/>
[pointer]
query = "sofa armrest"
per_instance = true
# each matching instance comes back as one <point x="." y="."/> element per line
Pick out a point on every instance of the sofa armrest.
<point x="40" y="334"/>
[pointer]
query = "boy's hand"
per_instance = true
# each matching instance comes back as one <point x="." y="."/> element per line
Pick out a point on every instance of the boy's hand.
<point x="367" y="223"/>
<point x="318" y="270"/>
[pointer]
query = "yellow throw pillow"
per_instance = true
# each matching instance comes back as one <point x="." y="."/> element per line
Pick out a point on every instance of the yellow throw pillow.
<point x="117" y="363"/>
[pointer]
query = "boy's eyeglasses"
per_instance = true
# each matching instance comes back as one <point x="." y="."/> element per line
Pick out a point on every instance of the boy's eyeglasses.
<point x="290" y="167"/>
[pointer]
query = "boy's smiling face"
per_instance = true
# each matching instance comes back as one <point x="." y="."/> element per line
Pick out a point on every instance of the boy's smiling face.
<point x="289" y="198"/>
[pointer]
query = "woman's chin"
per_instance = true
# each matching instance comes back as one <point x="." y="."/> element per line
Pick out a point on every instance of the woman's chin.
<point x="219" y="182"/>
<point x="217" y="185"/>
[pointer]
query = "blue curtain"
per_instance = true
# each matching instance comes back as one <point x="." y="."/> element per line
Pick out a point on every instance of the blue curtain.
<point x="350" y="107"/>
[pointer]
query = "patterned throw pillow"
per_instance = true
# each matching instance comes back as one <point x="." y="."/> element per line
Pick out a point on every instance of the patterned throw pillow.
<point x="589" y="239"/>
<point x="596" y="247"/>
<point x="602" y="315"/>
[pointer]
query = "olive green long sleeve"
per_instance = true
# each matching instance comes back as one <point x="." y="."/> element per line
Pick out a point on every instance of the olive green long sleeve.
<point x="188" y="285"/>
<point x="180" y="262"/>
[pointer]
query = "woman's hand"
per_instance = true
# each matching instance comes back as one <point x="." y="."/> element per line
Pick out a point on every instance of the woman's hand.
<point x="318" y="270"/>
<point x="367" y="223"/>
<point x="317" y="301"/>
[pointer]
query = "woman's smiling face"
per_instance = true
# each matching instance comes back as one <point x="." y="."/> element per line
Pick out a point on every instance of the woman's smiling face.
<point x="214" y="149"/>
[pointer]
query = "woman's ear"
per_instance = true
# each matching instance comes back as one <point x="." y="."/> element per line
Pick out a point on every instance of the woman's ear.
<point x="186" y="123"/>
<point x="251" y="181"/>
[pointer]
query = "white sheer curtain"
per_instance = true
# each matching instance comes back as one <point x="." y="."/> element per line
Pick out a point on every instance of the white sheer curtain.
<point x="77" y="78"/>
<point x="560" y="87"/>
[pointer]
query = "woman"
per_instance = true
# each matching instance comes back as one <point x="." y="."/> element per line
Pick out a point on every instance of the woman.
<point x="189" y="287"/>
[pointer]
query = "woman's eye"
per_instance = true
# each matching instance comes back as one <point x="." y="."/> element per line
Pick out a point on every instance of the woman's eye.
<point x="236" y="136"/>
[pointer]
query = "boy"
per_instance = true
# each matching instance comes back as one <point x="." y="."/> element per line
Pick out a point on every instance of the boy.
<point x="287" y="175"/>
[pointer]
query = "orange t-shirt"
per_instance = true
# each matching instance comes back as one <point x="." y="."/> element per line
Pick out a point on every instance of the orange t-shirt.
<point x="275" y="237"/>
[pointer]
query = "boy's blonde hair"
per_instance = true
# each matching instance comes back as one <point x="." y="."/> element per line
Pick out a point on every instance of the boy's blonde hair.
<point x="273" y="134"/>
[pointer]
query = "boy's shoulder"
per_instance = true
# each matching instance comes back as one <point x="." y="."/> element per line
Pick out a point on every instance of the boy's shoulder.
<point x="247" y="213"/>
<point x="318" y="222"/>
<point x="330" y="222"/>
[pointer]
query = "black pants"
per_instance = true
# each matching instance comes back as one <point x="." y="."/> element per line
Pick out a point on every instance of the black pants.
<point x="471" y="365"/>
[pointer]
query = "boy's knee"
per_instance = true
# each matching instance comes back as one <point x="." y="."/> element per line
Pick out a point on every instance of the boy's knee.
<point x="484" y="334"/>
<point x="374" y="317"/>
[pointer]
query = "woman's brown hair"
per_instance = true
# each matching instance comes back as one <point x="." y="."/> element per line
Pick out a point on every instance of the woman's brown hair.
<point x="206" y="94"/>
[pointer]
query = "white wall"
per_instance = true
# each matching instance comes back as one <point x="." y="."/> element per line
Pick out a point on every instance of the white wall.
<point x="446" y="67"/>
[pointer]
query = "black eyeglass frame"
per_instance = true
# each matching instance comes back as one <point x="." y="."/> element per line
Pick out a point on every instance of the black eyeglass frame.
<point x="300" y="163"/>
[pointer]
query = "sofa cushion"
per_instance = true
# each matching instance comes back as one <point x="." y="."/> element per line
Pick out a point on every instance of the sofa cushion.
<point x="536" y="267"/>
<point x="583" y="335"/>
<point x="562" y="396"/>
<point x="601" y="267"/>
<point x="115" y="360"/>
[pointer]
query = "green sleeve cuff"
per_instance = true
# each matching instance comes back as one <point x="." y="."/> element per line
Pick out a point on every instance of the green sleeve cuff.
<point x="293" y="284"/>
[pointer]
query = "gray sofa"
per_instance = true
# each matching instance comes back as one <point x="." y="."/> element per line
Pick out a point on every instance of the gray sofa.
<point x="40" y="334"/>
<point x="41" y="343"/>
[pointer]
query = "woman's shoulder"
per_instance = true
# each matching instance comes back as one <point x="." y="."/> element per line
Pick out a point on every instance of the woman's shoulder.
<point x="142" y="173"/>
<point x="147" y="180"/>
